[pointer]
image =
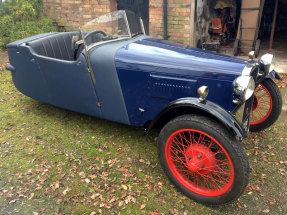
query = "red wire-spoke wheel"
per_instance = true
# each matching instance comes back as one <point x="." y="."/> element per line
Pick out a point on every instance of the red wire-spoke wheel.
<point x="262" y="105"/>
<point x="267" y="105"/>
<point x="203" y="160"/>
<point x="199" y="162"/>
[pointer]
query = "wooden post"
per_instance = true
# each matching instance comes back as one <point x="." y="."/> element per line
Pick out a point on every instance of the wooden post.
<point x="192" y="23"/>
<point x="273" y="25"/>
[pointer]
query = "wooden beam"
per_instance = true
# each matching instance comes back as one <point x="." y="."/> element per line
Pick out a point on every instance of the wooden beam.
<point x="273" y="25"/>
<point x="192" y="23"/>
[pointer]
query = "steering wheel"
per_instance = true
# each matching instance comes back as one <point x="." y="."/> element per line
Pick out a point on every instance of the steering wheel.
<point x="94" y="37"/>
<point x="89" y="38"/>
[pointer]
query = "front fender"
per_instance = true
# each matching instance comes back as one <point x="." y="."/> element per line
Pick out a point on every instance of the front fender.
<point x="207" y="108"/>
<point x="274" y="75"/>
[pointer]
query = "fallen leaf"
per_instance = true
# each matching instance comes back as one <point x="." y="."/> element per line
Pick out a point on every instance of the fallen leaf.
<point x="272" y="203"/>
<point x="239" y="206"/>
<point x="266" y="211"/>
<point x="95" y="195"/>
<point x="55" y="185"/>
<point x="124" y="187"/>
<point x="82" y="174"/>
<point x="112" y="200"/>
<point x="142" y="206"/>
<point x="13" y="201"/>
<point x="9" y="194"/>
<point x="153" y="213"/>
<point x="31" y="196"/>
<point x="66" y="191"/>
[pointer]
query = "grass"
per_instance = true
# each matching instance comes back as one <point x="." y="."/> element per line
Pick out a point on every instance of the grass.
<point x="54" y="161"/>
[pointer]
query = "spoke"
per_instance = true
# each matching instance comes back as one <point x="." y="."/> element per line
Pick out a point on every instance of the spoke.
<point x="213" y="179"/>
<point x="212" y="182"/>
<point x="211" y="144"/>
<point x="183" y="170"/>
<point x="226" y="181"/>
<point x="260" y="114"/>
<point x="189" y="143"/>
<point x="223" y="164"/>
<point x="181" y="139"/>
<point x="253" y="116"/>
<point x="190" y="136"/>
<point x="222" y="173"/>
<point x="182" y="152"/>
<point x="204" y="184"/>
<point x="179" y="145"/>
<point x="177" y="160"/>
<point x="182" y="161"/>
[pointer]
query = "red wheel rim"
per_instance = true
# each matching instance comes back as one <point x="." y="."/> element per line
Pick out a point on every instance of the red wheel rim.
<point x="262" y="105"/>
<point x="199" y="162"/>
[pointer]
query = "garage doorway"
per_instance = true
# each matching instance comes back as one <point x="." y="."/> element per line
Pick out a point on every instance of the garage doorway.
<point x="280" y="36"/>
<point x="140" y="7"/>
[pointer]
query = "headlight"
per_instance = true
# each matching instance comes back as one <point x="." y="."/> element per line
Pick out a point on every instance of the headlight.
<point x="267" y="63"/>
<point x="244" y="87"/>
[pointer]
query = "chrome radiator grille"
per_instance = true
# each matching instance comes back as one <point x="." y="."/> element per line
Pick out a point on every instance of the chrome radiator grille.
<point x="243" y="113"/>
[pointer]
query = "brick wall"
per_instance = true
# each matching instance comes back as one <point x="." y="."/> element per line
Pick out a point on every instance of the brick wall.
<point x="178" y="21"/>
<point x="156" y="18"/>
<point x="72" y="13"/>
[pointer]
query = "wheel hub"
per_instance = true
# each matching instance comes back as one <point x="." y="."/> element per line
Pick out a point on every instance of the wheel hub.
<point x="200" y="158"/>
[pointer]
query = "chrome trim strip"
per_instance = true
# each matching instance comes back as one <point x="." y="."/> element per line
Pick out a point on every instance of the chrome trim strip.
<point x="109" y="41"/>
<point x="142" y="26"/>
<point x="128" y="26"/>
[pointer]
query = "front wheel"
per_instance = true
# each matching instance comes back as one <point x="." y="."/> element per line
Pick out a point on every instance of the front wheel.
<point x="202" y="160"/>
<point x="267" y="106"/>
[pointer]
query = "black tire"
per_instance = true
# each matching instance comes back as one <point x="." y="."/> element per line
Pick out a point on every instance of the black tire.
<point x="257" y="48"/>
<point x="274" y="110"/>
<point x="232" y="148"/>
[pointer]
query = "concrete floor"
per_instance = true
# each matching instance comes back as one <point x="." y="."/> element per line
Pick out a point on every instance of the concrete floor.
<point x="281" y="57"/>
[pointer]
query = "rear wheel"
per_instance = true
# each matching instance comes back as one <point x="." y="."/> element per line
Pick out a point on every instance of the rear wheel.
<point x="202" y="160"/>
<point x="267" y="106"/>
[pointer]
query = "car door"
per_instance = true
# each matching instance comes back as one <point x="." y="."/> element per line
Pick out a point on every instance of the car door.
<point x="70" y="85"/>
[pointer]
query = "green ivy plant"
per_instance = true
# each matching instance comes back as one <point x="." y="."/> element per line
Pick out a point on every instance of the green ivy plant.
<point x="22" y="18"/>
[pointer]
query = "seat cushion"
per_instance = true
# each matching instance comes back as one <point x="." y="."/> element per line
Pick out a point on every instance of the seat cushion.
<point x="57" y="46"/>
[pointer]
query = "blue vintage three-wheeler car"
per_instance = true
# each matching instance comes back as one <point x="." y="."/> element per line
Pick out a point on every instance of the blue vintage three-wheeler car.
<point x="203" y="103"/>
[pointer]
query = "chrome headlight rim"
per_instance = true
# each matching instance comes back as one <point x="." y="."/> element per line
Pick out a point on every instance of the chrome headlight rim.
<point x="267" y="63"/>
<point x="243" y="88"/>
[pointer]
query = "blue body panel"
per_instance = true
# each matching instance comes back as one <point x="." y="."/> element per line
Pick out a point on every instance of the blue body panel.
<point x="154" y="72"/>
<point x="135" y="79"/>
<point x="65" y="84"/>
